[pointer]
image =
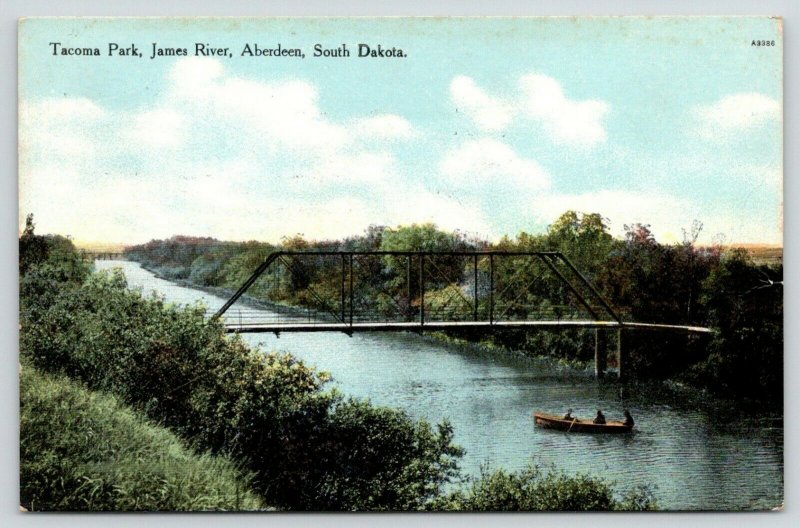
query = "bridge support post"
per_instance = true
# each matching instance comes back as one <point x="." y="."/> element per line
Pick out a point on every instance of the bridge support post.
<point x="620" y="357"/>
<point x="600" y="352"/>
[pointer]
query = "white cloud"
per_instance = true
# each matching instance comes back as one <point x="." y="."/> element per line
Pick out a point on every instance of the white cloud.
<point x="565" y="120"/>
<point x="110" y="208"/>
<point x="488" y="160"/>
<point x="488" y="112"/>
<point x="283" y="112"/>
<point x="767" y="177"/>
<point x="66" y="127"/>
<point x="386" y="126"/>
<point x="736" y="113"/>
<point x="416" y="205"/>
<point x="194" y="77"/>
<point x="330" y="219"/>
<point x="540" y="99"/>
<point x="162" y="127"/>
<point x="215" y="155"/>
<point x="365" y="167"/>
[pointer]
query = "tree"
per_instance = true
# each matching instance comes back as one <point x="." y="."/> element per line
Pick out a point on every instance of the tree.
<point x="583" y="238"/>
<point x="33" y="249"/>
<point x="745" y="306"/>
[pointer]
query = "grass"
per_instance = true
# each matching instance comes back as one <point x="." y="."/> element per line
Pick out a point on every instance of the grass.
<point x="85" y="451"/>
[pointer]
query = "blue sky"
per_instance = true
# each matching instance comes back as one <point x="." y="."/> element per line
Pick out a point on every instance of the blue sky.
<point x="492" y="126"/>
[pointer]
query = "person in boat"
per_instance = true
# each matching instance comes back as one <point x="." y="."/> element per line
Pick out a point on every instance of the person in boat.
<point x="600" y="418"/>
<point x="628" y="418"/>
<point x="569" y="416"/>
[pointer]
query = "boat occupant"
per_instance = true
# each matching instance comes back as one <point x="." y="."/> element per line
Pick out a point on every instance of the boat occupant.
<point x="628" y="418"/>
<point x="600" y="418"/>
<point x="568" y="416"/>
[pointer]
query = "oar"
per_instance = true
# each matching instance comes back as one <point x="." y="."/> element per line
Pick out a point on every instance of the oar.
<point x="573" y="423"/>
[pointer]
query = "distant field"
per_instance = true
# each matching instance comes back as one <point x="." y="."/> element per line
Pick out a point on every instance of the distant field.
<point x="100" y="247"/>
<point x="764" y="253"/>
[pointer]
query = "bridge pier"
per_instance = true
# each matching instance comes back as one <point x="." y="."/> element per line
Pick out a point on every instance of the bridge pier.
<point x="620" y="357"/>
<point x="602" y="346"/>
<point x="600" y="352"/>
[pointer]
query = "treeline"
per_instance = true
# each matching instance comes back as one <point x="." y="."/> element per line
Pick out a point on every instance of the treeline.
<point x="294" y="443"/>
<point x="645" y="281"/>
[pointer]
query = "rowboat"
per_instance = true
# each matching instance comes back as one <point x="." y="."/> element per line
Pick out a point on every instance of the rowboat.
<point x="551" y="421"/>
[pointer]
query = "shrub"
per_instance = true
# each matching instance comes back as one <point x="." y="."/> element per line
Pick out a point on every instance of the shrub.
<point x="532" y="489"/>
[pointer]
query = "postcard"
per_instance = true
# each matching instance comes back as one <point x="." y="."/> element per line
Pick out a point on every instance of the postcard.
<point x="401" y="264"/>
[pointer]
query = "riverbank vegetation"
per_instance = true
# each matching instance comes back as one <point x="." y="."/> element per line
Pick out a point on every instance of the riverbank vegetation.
<point x="85" y="451"/>
<point x="644" y="281"/>
<point x="300" y="445"/>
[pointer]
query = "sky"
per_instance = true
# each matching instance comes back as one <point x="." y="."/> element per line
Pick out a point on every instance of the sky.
<point x="491" y="126"/>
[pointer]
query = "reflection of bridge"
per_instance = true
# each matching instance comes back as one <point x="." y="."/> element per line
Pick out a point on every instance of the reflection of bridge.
<point x="351" y="291"/>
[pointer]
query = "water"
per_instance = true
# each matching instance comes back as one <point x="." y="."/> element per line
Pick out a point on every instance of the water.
<point x="699" y="452"/>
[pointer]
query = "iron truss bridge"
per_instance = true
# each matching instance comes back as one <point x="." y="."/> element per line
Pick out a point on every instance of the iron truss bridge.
<point x="373" y="291"/>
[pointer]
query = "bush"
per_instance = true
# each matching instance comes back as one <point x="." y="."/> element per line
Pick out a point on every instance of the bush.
<point x="81" y="450"/>
<point x="535" y="490"/>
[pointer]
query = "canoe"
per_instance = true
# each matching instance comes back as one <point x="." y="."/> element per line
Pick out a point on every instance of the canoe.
<point x="551" y="421"/>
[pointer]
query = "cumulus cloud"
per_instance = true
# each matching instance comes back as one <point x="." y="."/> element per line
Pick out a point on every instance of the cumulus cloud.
<point x="61" y="126"/>
<point x="539" y="99"/>
<point x="284" y="113"/>
<point x="214" y="154"/>
<point x="488" y="160"/>
<point x="767" y="177"/>
<point x="489" y="113"/>
<point x="194" y="77"/>
<point x="363" y="167"/>
<point x="386" y="126"/>
<point x="565" y="120"/>
<point x="415" y="205"/>
<point x="736" y="113"/>
<point x="158" y="128"/>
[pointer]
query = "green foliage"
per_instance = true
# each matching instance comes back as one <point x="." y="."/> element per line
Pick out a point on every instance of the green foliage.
<point x="420" y="237"/>
<point x="57" y="257"/>
<point x="532" y="489"/>
<point x="583" y="238"/>
<point x="82" y="450"/>
<point x="33" y="249"/>
<point x="745" y="305"/>
<point x="309" y="449"/>
<point x="182" y="257"/>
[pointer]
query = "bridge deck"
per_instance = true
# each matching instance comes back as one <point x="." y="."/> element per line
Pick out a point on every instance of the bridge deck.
<point x="449" y="325"/>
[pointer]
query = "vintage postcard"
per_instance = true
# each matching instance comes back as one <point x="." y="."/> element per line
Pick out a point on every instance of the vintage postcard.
<point x="401" y="264"/>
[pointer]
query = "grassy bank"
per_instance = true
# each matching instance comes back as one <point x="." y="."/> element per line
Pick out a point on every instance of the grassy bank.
<point x="86" y="451"/>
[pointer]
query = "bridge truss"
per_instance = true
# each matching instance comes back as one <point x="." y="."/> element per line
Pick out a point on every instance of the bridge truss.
<point x="359" y="291"/>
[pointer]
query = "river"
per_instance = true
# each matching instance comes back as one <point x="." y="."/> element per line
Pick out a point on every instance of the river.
<point x="698" y="452"/>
